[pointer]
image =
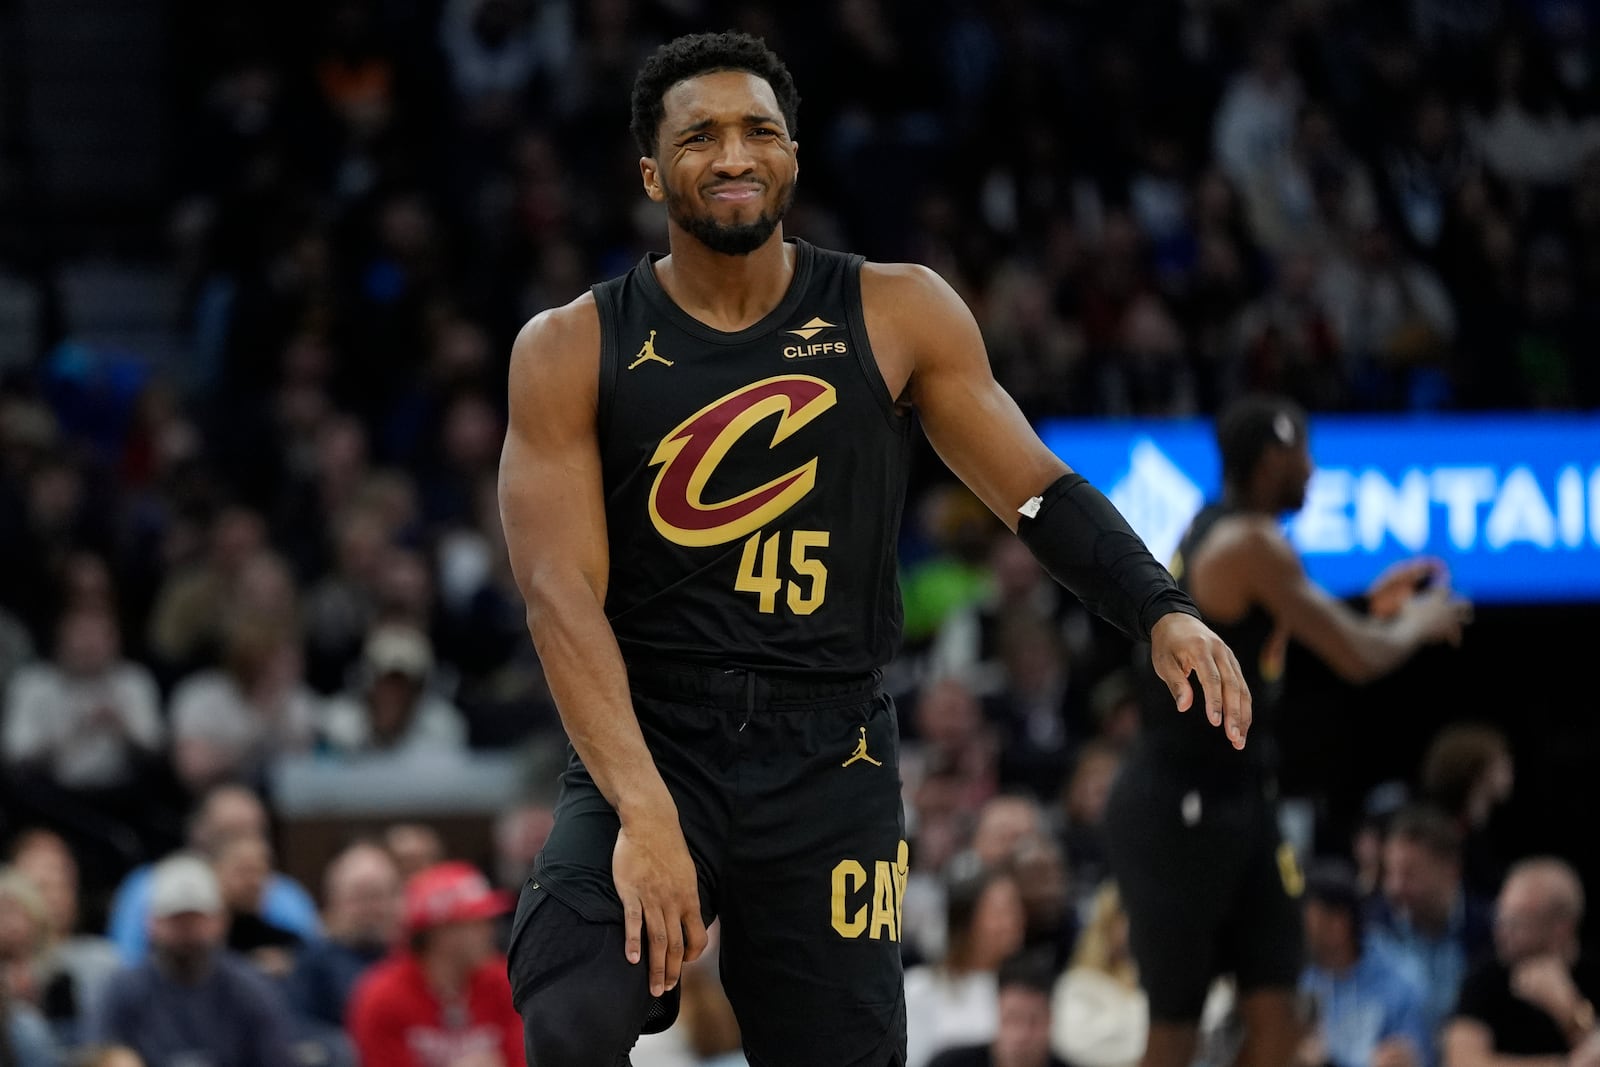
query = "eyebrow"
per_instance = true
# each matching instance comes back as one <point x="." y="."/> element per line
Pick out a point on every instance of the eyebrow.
<point x="748" y="120"/>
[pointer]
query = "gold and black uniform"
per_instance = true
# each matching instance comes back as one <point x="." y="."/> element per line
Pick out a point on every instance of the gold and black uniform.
<point x="754" y="484"/>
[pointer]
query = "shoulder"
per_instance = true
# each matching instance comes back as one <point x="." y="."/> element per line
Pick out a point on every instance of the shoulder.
<point x="34" y="678"/>
<point x="383" y="984"/>
<point x="287" y="888"/>
<point x="1244" y="541"/>
<point x="891" y="286"/>
<point x="558" y="337"/>
<point x="916" y="320"/>
<point x="133" y="885"/>
<point x="1252" y="528"/>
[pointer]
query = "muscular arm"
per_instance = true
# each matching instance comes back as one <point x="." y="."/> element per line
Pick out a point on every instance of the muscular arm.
<point x="1258" y="564"/>
<point x="932" y="352"/>
<point x="929" y="342"/>
<point x="553" y="509"/>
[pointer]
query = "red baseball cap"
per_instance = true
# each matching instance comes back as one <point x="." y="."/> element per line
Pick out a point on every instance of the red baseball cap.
<point x="452" y="892"/>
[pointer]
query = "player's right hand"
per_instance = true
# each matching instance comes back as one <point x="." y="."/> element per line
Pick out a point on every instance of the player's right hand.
<point x="655" y="877"/>
<point x="1441" y="612"/>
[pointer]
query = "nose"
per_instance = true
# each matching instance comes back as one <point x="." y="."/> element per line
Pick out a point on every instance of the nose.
<point x="735" y="158"/>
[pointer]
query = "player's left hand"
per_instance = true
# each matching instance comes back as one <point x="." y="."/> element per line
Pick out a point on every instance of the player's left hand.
<point x="1181" y="645"/>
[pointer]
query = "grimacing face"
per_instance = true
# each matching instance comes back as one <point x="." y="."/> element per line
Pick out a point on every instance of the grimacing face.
<point x="724" y="164"/>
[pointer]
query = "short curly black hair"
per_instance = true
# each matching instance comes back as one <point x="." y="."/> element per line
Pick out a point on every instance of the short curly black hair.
<point x="1251" y="425"/>
<point x="704" y="53"/>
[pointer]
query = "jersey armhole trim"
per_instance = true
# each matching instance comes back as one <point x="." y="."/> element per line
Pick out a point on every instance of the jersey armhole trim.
<point x="898" y="420"/>
<point x="606" y="307"/>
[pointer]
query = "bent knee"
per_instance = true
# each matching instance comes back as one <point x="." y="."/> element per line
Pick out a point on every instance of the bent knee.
<point x="558" y="1036"/>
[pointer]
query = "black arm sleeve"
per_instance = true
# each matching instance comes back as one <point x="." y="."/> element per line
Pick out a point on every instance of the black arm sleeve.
<point x="1087" y="546"/>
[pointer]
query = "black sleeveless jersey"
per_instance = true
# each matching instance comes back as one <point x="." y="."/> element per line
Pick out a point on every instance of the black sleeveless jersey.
<point x="754" y="481"/>
<point x="1189" y="739"/>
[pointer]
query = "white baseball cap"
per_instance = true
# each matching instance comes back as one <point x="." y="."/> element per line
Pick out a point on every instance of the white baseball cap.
<point x="398" y="649"/>
<point x="182" y="883"/>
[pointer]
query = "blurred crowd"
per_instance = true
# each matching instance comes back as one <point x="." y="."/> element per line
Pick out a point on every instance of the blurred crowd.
<point x="286" y="546"/>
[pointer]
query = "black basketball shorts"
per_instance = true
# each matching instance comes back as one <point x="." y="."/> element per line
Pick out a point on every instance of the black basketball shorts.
<point x="788" y="791"/>
<point x="1209" y="885"/>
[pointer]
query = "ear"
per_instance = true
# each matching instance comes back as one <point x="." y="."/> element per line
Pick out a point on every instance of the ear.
<point x="650" y="175"/>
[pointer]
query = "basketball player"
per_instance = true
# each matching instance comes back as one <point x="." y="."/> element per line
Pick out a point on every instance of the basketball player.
<point x="1191" y="827"/>
<point x="701" y="489"/>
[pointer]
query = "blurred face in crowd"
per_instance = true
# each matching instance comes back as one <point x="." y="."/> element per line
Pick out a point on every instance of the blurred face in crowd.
<point x="1536" y="914"/>
<point x="88" y="643"/>
<point x="1090" y="787"/>
<point x="184" y="943"/>
<point x="941" y="821"/>
<point x="237" y="536"/>
<point x="87" y="583"/>
<point x="947" y="715"/>
<point x="999" y="924"/>
<point x="364" y="898"/>
<point x="391" y="703"/>
<point x="472" y="433"/>
<point x="461" y="945"/>
<point x="1016" y="571"/>
<point x="724" y="164"/>
<point x="46" y="862"/>
<point x="1043" y="879"/>
<point x="243" y="866"/>
<point x="19" y="931"/>
<point x="1002" y="824"/>
<point x="1329" y="940"/>
<point x="1419" y="883"/>
<point x="518" y="838"/>
<point x="230" y="811"/>
<point x="117" y="1058"/>
<point x="414" y="847"/>
<point x="1493" y="788"/>
<point x="1022" y="1030"/>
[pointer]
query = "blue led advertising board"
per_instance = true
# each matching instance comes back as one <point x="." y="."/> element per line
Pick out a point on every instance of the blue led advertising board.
<point x="1510" y="502"/>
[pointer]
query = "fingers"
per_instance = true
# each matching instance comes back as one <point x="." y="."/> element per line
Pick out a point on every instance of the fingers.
<point x="632" y="919"/>
<point x="1238" y="709"/>
<point x="674" y="962"/>
<point x="655" y="926"/>
<point x="696" y="938"/>
<point x="1227" y="697"/>
<point x="1183" y="693"/>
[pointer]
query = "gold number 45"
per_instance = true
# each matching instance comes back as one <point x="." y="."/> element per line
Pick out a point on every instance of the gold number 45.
<point x="758" y="571"/>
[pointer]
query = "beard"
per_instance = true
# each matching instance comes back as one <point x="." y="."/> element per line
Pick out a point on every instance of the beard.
<point x="188" y="964"/>
<point x="730" y="239"/>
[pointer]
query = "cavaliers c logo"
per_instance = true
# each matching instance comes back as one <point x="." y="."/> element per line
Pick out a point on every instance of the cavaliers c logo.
<point x="692" y="451"/>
